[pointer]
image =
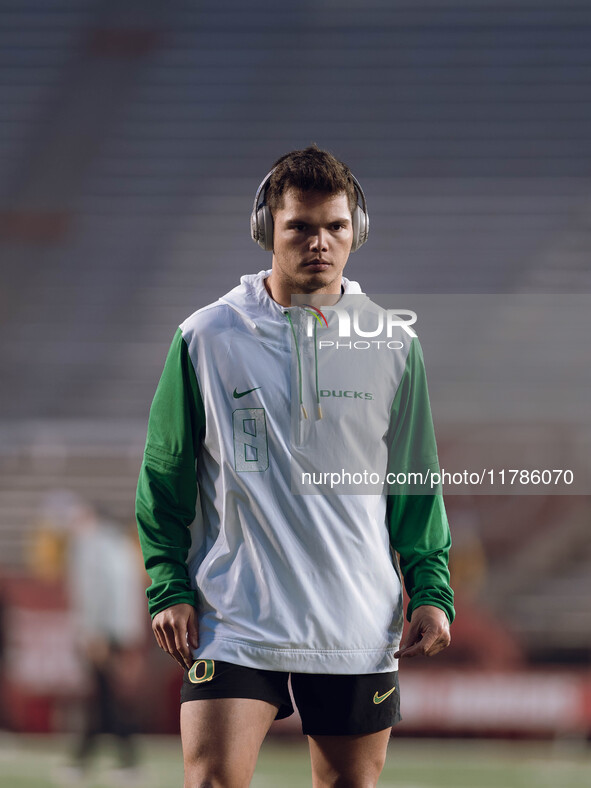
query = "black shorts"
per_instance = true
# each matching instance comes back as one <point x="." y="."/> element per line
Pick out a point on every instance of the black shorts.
<point x="329" y="705"/>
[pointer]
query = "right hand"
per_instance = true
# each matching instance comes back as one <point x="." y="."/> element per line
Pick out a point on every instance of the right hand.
<point x="175" y="630"/>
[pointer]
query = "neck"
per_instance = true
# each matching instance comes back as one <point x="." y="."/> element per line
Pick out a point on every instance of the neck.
<point x="282" y="295"/>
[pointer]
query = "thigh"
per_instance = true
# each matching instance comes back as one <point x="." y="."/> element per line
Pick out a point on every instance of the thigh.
<point x="226" y="710"/>
<point x="351" y="761"/>
<point x="221" y="738"/>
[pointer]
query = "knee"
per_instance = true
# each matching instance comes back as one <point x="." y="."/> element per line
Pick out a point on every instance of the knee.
<point x="352" y="781"/>
<point x="195" y="781"/>
<point x="206" y="783"/>
<point x="350" y="774"/>
<point x="212" y="776"/>
<point x="200" y="784"/>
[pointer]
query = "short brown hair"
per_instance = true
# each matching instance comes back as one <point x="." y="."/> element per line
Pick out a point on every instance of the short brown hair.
<point x="311" y="169"/>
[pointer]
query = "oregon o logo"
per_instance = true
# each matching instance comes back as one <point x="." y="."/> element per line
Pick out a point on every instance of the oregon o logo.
<point x="202" y="671"/>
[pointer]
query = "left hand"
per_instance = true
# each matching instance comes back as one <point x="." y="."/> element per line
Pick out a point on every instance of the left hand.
<point x="427" y="635"/>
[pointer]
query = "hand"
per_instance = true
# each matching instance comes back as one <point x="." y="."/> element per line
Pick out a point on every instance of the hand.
<point x="428" y="633"/>
<point x="175" y="630"/>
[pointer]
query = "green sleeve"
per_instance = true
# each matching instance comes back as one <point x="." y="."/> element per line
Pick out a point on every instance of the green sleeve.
<point x="167" y="486"/>
<point x="417" y="522"/>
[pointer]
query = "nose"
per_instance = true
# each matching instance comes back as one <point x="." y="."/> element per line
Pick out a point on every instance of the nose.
<point x="319" y="241"/>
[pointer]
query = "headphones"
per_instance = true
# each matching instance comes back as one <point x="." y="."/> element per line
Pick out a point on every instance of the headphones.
<point x="261" y="219"/>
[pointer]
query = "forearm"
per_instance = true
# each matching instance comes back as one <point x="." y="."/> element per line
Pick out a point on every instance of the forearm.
<point x="419" y="533"/>
<point x="163" y="517"/>
<point x="167" y="486"/>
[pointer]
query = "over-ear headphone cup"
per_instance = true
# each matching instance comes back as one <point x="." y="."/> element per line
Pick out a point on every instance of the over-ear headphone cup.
<point x="265" y="222"/>
<point x="360" y="228"/>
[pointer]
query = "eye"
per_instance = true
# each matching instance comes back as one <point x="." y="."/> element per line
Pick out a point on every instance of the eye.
<point x="338" y="226"/>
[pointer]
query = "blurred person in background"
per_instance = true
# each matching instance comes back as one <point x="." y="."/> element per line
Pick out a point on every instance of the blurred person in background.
<point x="104" y="577"/>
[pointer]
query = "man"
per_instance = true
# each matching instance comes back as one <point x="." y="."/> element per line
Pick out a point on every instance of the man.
<point x="252" y="582"/>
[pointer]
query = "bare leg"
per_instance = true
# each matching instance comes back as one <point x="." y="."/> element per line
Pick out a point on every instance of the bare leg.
<point x="221" y="739"/>
<point x="348" y="761"/>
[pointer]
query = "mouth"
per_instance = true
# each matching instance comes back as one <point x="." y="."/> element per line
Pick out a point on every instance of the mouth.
<point x="318" y="264"/>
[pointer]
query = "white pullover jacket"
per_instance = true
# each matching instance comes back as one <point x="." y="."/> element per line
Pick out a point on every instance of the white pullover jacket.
<point x="254" y="408"/>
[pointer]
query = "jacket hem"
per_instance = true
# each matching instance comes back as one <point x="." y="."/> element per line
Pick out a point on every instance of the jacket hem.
<point x="298" y="660"/>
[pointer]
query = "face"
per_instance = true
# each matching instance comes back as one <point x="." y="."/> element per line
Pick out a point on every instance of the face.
<point x="312" y="237"/>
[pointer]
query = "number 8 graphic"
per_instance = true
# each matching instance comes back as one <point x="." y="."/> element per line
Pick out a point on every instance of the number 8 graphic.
<point x="251" y="450"/>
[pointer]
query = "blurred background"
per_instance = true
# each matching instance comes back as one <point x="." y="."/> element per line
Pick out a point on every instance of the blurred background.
<point x="134" y="134"/>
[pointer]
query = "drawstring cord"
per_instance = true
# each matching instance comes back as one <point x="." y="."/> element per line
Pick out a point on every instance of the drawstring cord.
<point x="295" y="339"/>
<point x="300" y="385"/>
<point x="318" y="408"/>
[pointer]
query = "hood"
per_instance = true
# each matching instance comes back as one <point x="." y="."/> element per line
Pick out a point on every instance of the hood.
<point x="253" y="303"/>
